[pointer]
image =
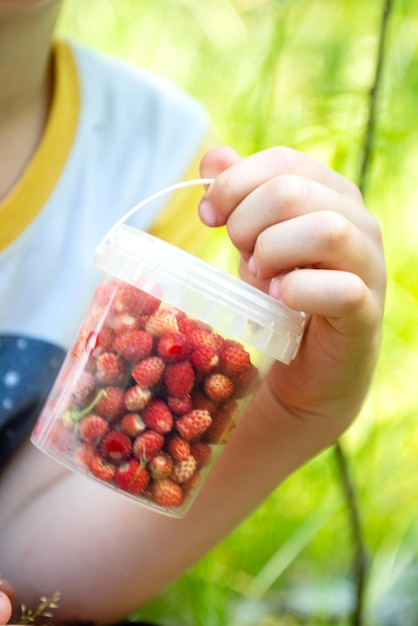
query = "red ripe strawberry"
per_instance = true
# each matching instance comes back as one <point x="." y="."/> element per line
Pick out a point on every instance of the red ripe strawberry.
<point x="185" y="324"/>
<point x="84" y="388"/>
<point x="160" y="466"/>
<point x="204" y="359"/>
<point x="177" y="447"/>
<point x="147" y="445"/>
<point x="132" y="424"/>
<point x="161" y="321"/>
<point x="218" y="387"/>
<point x="179" y="379"/>
<point x="124" y="323"/>
<point x="101" y="468"/>
<point x="246" y="381"/>
<point x="201" y="401"/>
<point x="183" y="470"/>
<point x="137" y="398"/>
<point x="111" y="404"/>
<point x="157" y="416"/>
<point x="222" y="423"/>
<point x="84" y="454"/>
<point x="234" y="360"/>
<point x="98" y="341"/>
<point x="179" y="406"/>
<point x="111" y="369"/>
<point x="174" y="346"/>
<point x="92" y="429"/>
<point x="134" y="346"/>
<point x="116" y="447"/>
<point x="192" y="483"/>
<point x="132" y="477"/>
<point x="149" y="372"/>
<point x="192" y="425"/>
<point x="202" y="338"/>
<point x="166" y="493"/>
<point x="202" y="453"/>
<point x="135" y="300"/>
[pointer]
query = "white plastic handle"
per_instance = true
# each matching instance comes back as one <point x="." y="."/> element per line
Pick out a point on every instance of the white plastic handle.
<point x="151" y="198"/>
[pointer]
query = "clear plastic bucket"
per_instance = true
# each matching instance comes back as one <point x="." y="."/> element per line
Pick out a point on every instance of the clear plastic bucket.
<point x="163" y="366"/>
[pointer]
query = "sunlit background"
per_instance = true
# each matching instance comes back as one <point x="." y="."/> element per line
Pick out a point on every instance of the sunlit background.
<point x="300" y="73"/>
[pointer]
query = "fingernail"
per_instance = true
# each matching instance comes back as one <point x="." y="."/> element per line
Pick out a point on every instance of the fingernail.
<point x="207" y="213"/>
<point x="2" y="600"/>
<point x="274" y="289"/>
<point x="252" y="266"/>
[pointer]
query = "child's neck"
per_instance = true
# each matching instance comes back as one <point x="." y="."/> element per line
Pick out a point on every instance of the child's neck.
<point x="25" y="87"/>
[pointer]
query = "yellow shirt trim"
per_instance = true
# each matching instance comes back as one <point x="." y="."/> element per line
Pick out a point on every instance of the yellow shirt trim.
<point x="20" y="207"/>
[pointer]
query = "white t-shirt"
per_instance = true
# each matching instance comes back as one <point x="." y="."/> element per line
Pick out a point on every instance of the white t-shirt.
<point x="115" y="134"/>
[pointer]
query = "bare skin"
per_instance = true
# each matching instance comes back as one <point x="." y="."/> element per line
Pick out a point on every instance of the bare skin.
<point x="311" y="219"/>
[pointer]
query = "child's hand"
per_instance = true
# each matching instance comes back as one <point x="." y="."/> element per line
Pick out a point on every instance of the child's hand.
<point x="6" y="593"/>
<point x="305" y="236"/>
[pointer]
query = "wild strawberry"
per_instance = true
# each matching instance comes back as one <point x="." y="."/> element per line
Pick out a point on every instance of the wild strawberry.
<point x="134" y="345"/>
<point x="174" y="346"/>
<point x="132" y="477"/>
<point x="147" y="445"/>
<point x="177" y="447"/>
<point x="234" y="360"/>
<point x="179" y="379"/>
<point x="84" y="388"/>
<point x="185" y="324"/>
<point x="161" y="321"/>
<point x="245" y="381"/>
<point x="92" y="429"/>
<point x="101" y="468"/>
<point x="148" y="372"/>
<point x="157" y="416"/>
<point x="132" y="424"/>
<point x="98" y="341"/>
<point x="183" y="470"/>
<point x="137" y="398"/>
<point x="192" y="483"/>
<point x="201" y="401"/>
<point x="166" y="493"/>
<point x="160" y="466"/>
<point x="116" y="447"/>
<point x="111" y="369"/>
<point x="204" y="359"/>
<point x="201" y="338"/>
<point x="222" y="424"/>
<point x="135" y="300"/>
<point x="179" y="406"/>
<point x="84" y="454"/>
<point x="218" y="387"/>
<point x="192" y="425"/>
<point x="202" y="453"/>
<point x="111" y="404"/>
<point x="123" y="323"/>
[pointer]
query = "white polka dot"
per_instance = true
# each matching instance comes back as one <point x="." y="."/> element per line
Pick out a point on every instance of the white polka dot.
<point x="7" y="403"/>
<point x="22" y="343"/>
<point x="11" y="379"/>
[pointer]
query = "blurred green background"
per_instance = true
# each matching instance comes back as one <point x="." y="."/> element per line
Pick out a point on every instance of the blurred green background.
<point x="300" y="73"/>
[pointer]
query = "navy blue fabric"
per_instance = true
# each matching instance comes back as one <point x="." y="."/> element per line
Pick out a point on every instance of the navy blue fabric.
<point x="28" y="368"/>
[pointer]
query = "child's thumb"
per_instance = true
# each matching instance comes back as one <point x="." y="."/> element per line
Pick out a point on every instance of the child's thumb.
<point x="5" y="608"/>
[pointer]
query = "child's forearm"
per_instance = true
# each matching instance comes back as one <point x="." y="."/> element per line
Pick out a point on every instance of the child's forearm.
<point x="107" y="556"/>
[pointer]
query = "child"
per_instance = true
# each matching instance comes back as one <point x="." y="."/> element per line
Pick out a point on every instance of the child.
<point x="82" y="139"/>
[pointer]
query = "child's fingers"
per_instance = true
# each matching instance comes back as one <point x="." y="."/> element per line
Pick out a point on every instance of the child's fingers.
<point x="235" y="183"/>
<point x="5" y="608"/>
<point x="324" y="240"/>
<point x="283" y="198"/>
<point x="341" y="297"/>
